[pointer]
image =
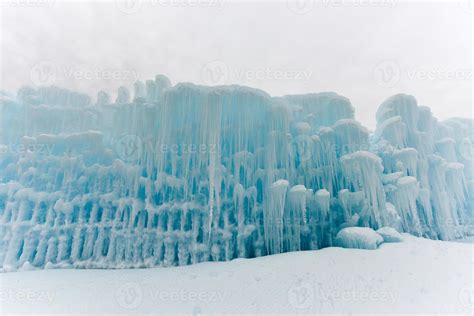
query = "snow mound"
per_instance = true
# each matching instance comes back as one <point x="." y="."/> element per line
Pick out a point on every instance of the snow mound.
<point x="359" y="238"/>
<point x="390" y="234"/>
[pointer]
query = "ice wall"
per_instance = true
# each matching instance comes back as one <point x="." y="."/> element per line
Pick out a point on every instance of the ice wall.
<point x="175" y="175"/>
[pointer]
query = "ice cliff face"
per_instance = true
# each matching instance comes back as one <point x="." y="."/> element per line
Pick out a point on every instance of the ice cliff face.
<point x="179" y="175"/>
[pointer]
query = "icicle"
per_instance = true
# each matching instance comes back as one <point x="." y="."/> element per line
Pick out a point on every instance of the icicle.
<point x="184" y="174"/>
<point x="364" y="171"/>
<point x="273" y="216"/>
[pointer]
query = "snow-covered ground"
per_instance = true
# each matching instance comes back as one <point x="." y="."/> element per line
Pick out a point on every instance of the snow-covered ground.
<point x="418" y="275"/>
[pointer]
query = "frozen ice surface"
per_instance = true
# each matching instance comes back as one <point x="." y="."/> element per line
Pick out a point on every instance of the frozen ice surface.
<point x="175" y="175"/>
<point x="390" y="234"/>
<point x="358" y="238"/>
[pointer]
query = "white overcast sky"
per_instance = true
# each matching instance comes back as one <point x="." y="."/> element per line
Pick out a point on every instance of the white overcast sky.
<point x="366" y="51"/>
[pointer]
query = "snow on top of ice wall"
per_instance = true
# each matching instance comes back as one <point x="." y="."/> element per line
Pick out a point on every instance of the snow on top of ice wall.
<point x="321" y="109"/>
<point x="175" y="175"/>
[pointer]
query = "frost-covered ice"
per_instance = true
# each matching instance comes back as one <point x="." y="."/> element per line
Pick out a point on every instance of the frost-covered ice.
<point x="389" y="234"/>
<point x="358" y="238"/>
<point x="176" y="175"/>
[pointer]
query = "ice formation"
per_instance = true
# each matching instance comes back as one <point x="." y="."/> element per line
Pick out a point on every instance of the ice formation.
<point x="389" y="234"/>
<point x="358" y="238"/>
<point x="175" y="175"/>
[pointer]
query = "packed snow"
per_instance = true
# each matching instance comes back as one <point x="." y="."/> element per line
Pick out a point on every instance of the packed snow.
<point x="389" y="234"/>
<point x="176" y="175"/>
<point x="358" y="238"/>
<point x="414" y="276"/>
